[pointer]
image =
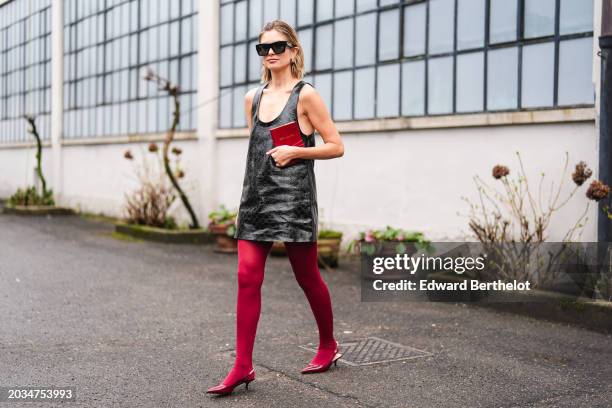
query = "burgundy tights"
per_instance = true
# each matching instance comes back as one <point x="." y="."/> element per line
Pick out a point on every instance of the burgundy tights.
<point x="251" y="262"/>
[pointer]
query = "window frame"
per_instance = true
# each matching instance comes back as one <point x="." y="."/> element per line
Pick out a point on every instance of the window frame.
<point x="141" y="38"/>
<point x="401" y="5"/>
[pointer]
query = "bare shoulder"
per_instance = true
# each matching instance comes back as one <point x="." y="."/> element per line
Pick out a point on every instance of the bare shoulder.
<point x="309" y="95"/>
<point x="248" y="100"/>
<point x="308" y="91"/>
<point x="250" y="94"/>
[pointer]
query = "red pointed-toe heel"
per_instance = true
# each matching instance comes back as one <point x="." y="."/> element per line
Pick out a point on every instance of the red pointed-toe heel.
<point x="319" y="368"/>
<point x="223" y="389"/>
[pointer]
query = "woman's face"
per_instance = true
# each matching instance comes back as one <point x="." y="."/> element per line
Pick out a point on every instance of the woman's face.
<point x="272" y="61"/>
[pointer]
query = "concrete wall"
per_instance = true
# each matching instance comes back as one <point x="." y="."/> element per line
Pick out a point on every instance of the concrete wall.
<point x="18" y="166"/>
<point x="94" y="178"/>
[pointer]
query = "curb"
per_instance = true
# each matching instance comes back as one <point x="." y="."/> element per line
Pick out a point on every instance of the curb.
<point x="37" y="210"/>
<point x="595" y="315"/>
<point x="591" y="314"/>
<point x="147" y="233"/>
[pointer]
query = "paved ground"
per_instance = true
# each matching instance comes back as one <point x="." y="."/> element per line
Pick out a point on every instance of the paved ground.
<point x="139" y="324"/>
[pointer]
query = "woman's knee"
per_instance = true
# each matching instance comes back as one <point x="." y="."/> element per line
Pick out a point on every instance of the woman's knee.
<point x="250" y="274"/>
<point x="310" y="281"/>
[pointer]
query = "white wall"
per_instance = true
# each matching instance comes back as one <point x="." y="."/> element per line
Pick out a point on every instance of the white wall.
<point x="96" y="177"/>
<point x="18" y="169"/>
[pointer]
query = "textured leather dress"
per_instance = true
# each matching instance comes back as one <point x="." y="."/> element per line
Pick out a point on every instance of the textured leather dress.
<point x="277" y="203"/>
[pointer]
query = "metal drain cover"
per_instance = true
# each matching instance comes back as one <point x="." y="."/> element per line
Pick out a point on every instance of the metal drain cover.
<point x="372" y="350"/>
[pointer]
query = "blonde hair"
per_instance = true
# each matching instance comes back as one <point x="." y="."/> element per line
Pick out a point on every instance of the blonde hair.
<point x="297" y="62"/>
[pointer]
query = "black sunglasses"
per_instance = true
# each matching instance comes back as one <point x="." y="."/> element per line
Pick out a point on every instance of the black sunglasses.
<point x="279" y="47"/>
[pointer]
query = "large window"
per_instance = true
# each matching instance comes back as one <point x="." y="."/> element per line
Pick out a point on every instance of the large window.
<point x="25" y="69"/>
<point x="108" y="45"/>
<point x="389" y="58"/>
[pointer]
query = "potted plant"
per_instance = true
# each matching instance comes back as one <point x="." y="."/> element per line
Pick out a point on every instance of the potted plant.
<point x="328" y="247"/>
<point x="222" y="226"/>
<point x="403" y="241"/>
<point x="389" y="242"/>
<point x="278" y="249"/>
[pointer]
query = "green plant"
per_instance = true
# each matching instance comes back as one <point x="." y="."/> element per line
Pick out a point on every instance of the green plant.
<point x="170" y="223"/>
<point x="224" y="217"/>
<point x="328" y="233"/>
<point x="29" y="196"/>
<point x="368" y="240"/>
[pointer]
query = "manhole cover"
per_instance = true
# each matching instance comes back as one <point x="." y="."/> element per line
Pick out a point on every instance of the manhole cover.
<point x="372" y="350"/>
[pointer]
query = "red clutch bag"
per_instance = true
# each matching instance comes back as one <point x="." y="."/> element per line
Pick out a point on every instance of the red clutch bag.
<point x="287" y="134"/>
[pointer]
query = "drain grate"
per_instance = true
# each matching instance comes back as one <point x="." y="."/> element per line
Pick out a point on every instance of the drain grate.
<point x="372" y="350"/>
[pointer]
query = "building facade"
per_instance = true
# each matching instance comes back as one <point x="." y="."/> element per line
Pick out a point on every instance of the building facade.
<point x="426" y="94"/>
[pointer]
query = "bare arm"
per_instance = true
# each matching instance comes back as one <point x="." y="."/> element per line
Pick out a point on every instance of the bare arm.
<point x="317" y="113"/>
<point x="320" y="118"/>
<point x="248" y="104"/>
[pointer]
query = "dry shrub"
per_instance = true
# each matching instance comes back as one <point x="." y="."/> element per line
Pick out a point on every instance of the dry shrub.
<point x="150" y="202"/>
<point x="149" y="205"/>
<point x="512" y="223"/>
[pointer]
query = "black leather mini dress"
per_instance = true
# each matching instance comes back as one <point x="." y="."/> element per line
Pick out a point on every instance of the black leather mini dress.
<point x="277" y="203"/>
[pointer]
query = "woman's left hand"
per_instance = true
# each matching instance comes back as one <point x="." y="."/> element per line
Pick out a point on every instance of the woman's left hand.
<point x="283" y="154"/>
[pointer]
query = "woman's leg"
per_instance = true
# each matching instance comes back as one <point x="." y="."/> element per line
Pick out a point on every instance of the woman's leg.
<point x="251" y="262"/>
<point x="303" y="259"/>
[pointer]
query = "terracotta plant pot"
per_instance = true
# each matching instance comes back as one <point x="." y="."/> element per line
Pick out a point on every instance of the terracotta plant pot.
<point x="278" y="249"/>
<point x="225" y="243"/>
<point x="385" y="248"/>
<point x="328" y="250"/>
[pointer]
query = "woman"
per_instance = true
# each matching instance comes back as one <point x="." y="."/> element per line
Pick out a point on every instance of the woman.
<point x="279" y="201"/>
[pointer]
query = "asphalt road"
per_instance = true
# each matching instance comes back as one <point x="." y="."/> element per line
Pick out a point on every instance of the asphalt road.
<point x="139" y="324"/>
